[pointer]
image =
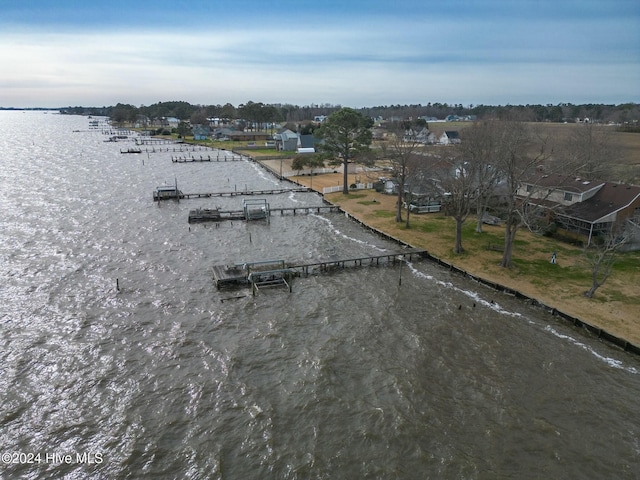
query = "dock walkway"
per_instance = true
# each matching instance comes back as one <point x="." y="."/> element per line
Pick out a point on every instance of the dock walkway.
<point x="201" y="215"/>
<point x="208" y="158"/>
<point x="235" y="193"/>
<point x="181" y="195"/>
<point x="247" y="274"/>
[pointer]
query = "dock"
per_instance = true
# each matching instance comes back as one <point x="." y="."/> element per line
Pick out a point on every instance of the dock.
<point x="272" y="273"/>
<point x="236" y="193"/>
<point x="201" y="215"/>
<point x="208" y="158"/>
<point x="167" y="192"/>
<point x="157" y="141"/>
<point x="246" y="192"/>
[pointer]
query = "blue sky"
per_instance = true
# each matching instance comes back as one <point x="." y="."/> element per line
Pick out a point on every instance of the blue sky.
<point x="350" y="52"/>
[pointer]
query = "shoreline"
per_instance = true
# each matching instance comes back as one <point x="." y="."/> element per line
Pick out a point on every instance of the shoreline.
<point x="601" y="332"/>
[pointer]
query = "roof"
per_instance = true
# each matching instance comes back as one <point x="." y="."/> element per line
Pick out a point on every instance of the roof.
<point x="286" y="135"/>
<point x="308" y="141"/>
<point x="452" y="134"/>
<point x="201" y="130"/>
<point x="564" y="182"/>
<point x="609" y="199"/>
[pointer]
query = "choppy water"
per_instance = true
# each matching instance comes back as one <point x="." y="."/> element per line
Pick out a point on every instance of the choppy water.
<point x="350" y="376"/>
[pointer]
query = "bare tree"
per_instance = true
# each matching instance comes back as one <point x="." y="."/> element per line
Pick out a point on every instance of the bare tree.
<point x="590" y="149"/>
<point x="458" y="181"/>
<point x="480" y="147"/>
<point x="602" y="254"/>
<point x="520" y="154"/>
<point x="402" y="147"/>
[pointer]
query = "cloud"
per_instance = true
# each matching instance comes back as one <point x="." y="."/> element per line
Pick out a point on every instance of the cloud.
<point x="395" y="59"/>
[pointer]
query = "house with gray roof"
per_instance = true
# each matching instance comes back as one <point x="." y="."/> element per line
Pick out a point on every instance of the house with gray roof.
<point x="585" y="208"/>
<point x="449" y="137"/>
<point x="286" y="140"/>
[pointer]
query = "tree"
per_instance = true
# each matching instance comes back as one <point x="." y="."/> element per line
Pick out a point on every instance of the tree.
<point x="347" y="136"/>
<point x="601" y="256"/>
<point x="199" y="117"/>
<point x="480" y="148"/>
<point x="459" y="184"/>
<point x="183" y="129"/>
<point x="402" y="148"/>
<point x="589" y="148"/>
<point x="307" y="160"/>
<point x="123" y="113"/>
<point x="519" y="155"/>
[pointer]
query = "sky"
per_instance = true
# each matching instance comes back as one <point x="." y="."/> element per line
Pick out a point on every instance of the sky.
<point x="356" y="53"/>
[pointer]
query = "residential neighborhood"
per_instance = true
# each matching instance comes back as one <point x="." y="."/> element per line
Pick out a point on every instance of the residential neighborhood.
<point x="574" y="207"/>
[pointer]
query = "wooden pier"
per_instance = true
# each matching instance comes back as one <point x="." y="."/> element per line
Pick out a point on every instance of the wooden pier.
<point x="208" y="158"/>
<point x="244" y="192"/>
<point x="375" y="260"/>
<point x="280" y="273"/>
<point x="178" y="194"/>
<point x="156" y="141"/>
<point x="201" y="215"/>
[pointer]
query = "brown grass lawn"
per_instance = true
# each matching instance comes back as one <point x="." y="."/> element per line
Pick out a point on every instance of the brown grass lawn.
<point x="615" y="308"/>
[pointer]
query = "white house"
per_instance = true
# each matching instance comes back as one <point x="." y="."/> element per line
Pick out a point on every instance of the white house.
<point x="450" y="137"/>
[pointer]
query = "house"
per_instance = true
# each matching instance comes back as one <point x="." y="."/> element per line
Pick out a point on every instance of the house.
<point x="248" y="136"/>
<point x="613" y="204"/>
<point x="423" y="136"/>
<point x="307" y="144"/>
<point x="201" y="132"/>
<point x="558" y="189"/>
<point x="171" y="122"/>
<point x="222" y="133"/>
<point x="584" y="208"/>
<point x="286" y="140"/>
<point x="450" y="137"/>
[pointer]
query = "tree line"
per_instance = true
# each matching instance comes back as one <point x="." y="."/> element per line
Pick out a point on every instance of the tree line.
<point x="259" y="113"/>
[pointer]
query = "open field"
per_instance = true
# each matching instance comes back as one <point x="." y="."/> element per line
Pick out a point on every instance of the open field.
<point x="615" y="307"/>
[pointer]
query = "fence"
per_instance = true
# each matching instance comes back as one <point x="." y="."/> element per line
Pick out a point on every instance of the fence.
<point x="338" y="188"/>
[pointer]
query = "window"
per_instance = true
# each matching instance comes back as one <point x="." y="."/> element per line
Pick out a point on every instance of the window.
<point x="568" y="196"/>
<point x="529" y="188"/>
